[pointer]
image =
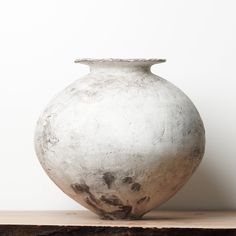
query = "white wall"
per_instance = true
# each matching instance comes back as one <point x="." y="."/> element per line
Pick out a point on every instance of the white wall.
<point x="39" y="41"/>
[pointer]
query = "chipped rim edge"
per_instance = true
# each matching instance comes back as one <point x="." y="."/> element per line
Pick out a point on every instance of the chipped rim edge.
<point x="131" y="60"/>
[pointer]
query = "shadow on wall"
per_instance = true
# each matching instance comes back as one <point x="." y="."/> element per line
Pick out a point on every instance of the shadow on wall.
<point x="202" y="192"/>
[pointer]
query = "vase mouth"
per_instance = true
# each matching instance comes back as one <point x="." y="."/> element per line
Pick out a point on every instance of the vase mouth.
<point x="137" y="61"/>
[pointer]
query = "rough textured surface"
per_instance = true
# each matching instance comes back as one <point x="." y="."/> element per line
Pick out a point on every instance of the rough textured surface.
<point x="120" y="140"/>
<point x="29" y="230"/>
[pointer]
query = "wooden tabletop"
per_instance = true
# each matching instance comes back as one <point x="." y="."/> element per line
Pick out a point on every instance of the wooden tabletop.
<point x="154" y="219"/>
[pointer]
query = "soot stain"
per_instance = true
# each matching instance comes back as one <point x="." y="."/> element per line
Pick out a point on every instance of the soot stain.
<point x="196" y="151"/>
<point x="93" y="198"/>
<point x="135" y="187"/>
<point x="111" y="200"/>
<point x="80" y="188"/>
<point x="174" y="188"/>
<point x="84" y="188"/>
<point x="121" y="213"/>
<point x="143" y="199"/>
<point x="127" y="180"/>
<point x="95" y="207"/>
<point x="108" y="178"/>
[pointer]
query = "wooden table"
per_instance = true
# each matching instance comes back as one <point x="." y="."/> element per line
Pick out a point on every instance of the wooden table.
<point x="59" y="223"/>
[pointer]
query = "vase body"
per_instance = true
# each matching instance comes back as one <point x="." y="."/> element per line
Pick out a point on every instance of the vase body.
<point x="120" y="141"/>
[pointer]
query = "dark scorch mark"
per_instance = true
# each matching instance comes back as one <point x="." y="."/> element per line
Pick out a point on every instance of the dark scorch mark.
<point x="111" y="200"/>
<point x="84" y="188"/>
<point x="98" y="210"/>
<point x="80" y="188"/>
<point x="127" y="180"/>
<point x="121" y="213"/>
<point x="143" y="199"/>
<point x="108" y="178"/>
<point x="93" y="198"/>
<point x="135" y="187"/>
<point x="196" y="151"/>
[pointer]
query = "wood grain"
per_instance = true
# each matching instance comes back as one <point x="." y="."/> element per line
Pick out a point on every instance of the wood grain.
<point x="29" y="223"/>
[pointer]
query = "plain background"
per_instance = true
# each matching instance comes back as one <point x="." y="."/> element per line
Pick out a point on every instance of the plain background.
<point x="39" y="41"/>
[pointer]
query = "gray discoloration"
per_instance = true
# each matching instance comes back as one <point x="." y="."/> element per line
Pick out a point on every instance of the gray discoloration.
<point x="108" y="178"/>
<point x="48" y="139"/>
<point x="135" y="187"/>
<point x="127" y="180"/>
<point x="72" y="89"/>
<point x="131" y="138"/>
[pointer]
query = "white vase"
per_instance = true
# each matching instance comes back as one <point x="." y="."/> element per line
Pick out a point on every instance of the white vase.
<point x="120" y="141"/>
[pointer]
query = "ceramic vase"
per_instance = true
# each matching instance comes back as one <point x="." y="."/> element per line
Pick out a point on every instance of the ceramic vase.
<point x="120" y="140"/>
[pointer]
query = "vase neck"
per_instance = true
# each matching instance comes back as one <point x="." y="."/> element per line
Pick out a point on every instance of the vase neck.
<point x="120" y="65"/>
<point x="119" y="68"/>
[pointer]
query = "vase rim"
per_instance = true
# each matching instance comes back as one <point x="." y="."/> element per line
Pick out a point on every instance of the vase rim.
<point x="122" y="60"/>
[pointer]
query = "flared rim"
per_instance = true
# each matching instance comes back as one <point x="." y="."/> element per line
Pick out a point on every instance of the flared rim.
<point x="122" y="60"/>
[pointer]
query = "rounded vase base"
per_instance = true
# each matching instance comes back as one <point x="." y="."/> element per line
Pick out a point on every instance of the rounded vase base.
<point x="114" y="217"/>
